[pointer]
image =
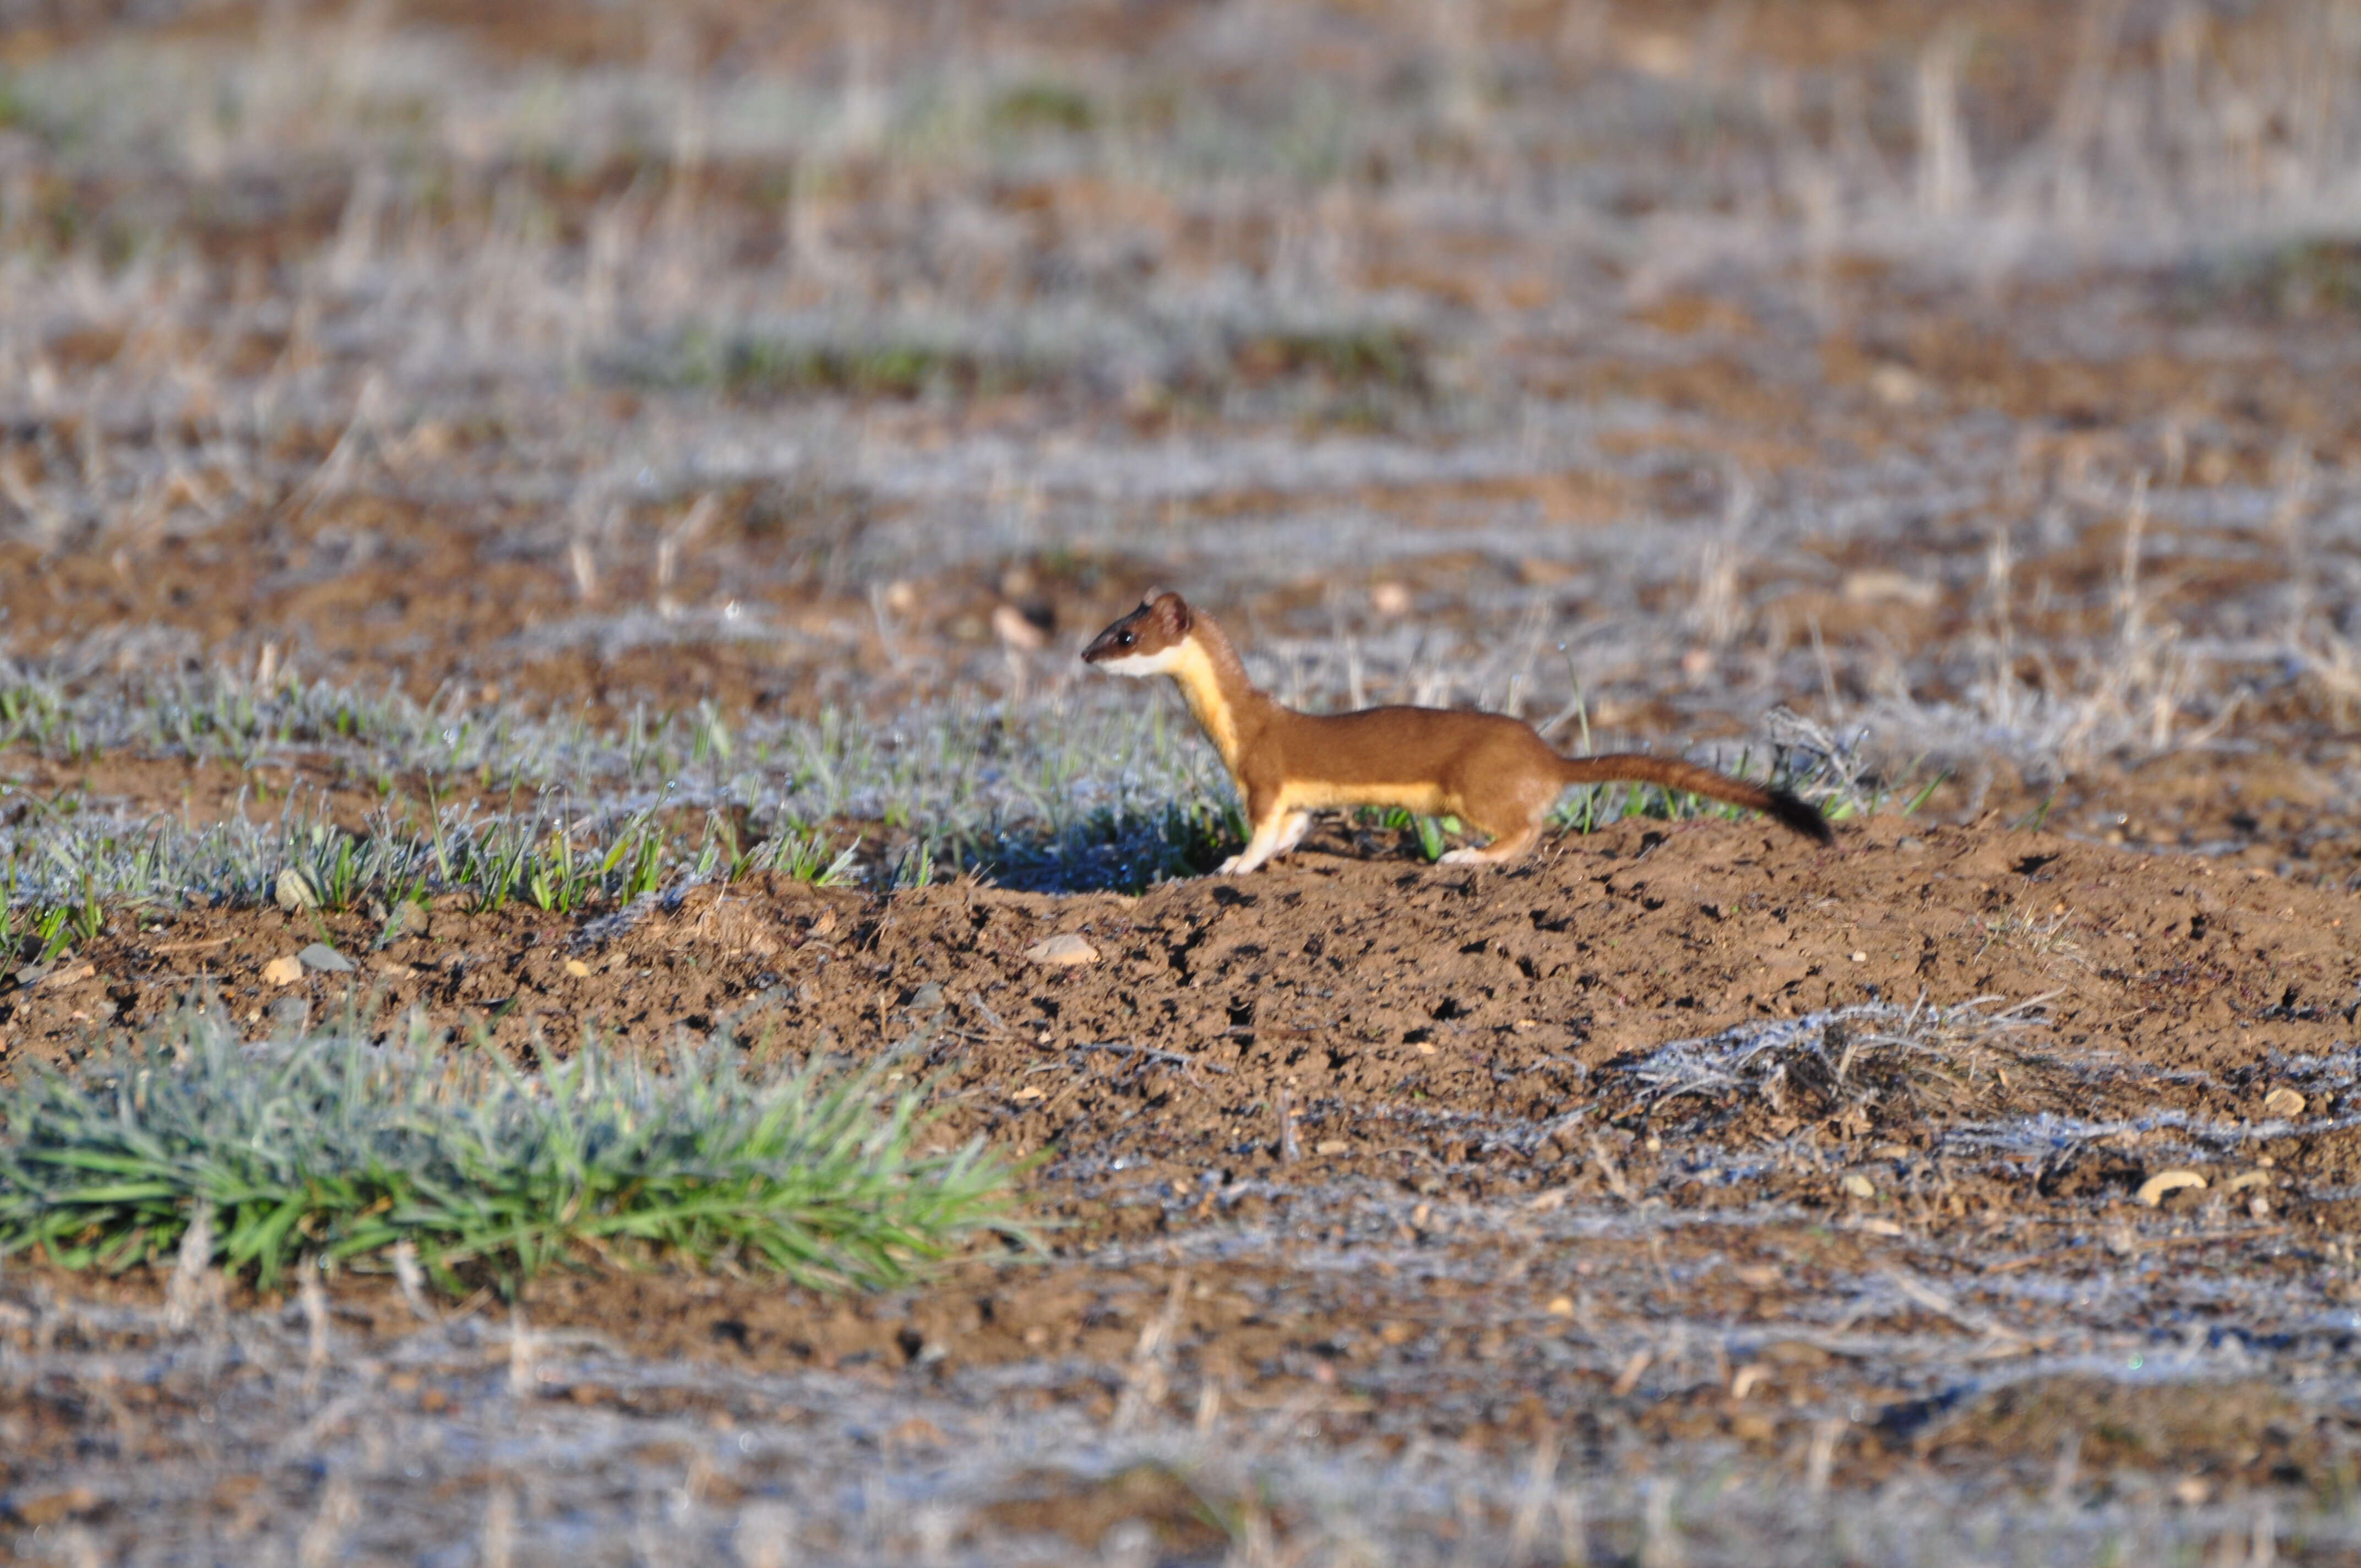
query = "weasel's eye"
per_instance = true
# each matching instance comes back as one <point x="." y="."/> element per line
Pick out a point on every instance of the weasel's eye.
<point x="1125" y="640"/>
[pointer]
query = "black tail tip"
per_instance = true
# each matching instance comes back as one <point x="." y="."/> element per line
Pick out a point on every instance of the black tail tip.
<point x="1794" y="811"/>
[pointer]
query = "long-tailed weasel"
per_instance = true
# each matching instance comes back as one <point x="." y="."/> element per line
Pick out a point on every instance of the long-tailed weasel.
<point x="1492" y="772"/>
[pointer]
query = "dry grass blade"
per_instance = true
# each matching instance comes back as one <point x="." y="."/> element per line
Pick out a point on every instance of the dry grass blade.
<point x="1884" y="1062"/>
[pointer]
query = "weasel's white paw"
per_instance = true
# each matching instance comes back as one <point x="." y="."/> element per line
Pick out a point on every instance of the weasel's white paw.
<point x="1463" y="858"/>
<point x="1228" y="867"/>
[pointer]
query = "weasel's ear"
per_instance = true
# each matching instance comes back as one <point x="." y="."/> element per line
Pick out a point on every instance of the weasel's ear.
<point x="1171" y="612"/>
<point x="1148" y="600"/>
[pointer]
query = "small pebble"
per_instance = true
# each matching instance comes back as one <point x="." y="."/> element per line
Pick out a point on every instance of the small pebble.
<point x="1063" y="952"/>
<point x="2283" y="1103"/>
<point x="1857" y="1184"/>
<point x="320" y="955"/>
<point x="284" y="970"/>
<point x="55" y="1507"/>
<point x="295" y="890"/>
<point x="1011" y="627"/>
<point x="578" y="968"/>
<point x="2153" y="1189"/>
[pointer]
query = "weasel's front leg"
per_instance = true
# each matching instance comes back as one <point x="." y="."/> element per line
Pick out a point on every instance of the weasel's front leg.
<point x="1277" y="831"/>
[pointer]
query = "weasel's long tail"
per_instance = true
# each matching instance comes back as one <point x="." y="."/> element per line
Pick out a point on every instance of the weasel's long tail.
<point x="1634" y="767"/>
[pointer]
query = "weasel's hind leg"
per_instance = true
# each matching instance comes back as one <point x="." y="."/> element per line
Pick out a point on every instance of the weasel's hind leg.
<point x="1499" y="851"/>
<point x="1506" y="796"/>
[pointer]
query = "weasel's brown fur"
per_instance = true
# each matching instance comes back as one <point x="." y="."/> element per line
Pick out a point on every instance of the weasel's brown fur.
<point x="1491" y="771"/>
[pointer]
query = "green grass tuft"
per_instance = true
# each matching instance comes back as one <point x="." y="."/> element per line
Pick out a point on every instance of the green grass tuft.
<point x="803" y="857"/>
<point x="331" y="1147"/>
<point x="1043" y="106"/>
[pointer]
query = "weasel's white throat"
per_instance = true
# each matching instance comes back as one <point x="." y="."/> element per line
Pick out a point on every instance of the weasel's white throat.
<point x="1137" y="664"/>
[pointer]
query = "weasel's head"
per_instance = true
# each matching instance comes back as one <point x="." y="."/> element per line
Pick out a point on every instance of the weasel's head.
<point x="1148" y="641"/>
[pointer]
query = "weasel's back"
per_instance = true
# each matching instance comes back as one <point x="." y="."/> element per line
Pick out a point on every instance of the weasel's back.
<point x="1379" y="745"/>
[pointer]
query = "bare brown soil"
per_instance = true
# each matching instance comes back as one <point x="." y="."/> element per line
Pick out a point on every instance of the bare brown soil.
<point x="1356" y="1055"/>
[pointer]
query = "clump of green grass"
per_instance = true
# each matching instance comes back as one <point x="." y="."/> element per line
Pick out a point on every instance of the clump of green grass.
<point x="330" y="1147"/>
<point x="803" y="857"/>
<point x="1043" y="105"/>
<point x="1178" y="358"/>
<point x="550" y="864"/>
<point x="903" y="362"/>
<point x="1356" y="354"/>
<point x="2299" y="279"/>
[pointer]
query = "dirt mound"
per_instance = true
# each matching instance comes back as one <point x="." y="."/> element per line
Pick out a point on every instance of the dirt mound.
<point x="1387" y="1002"/>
